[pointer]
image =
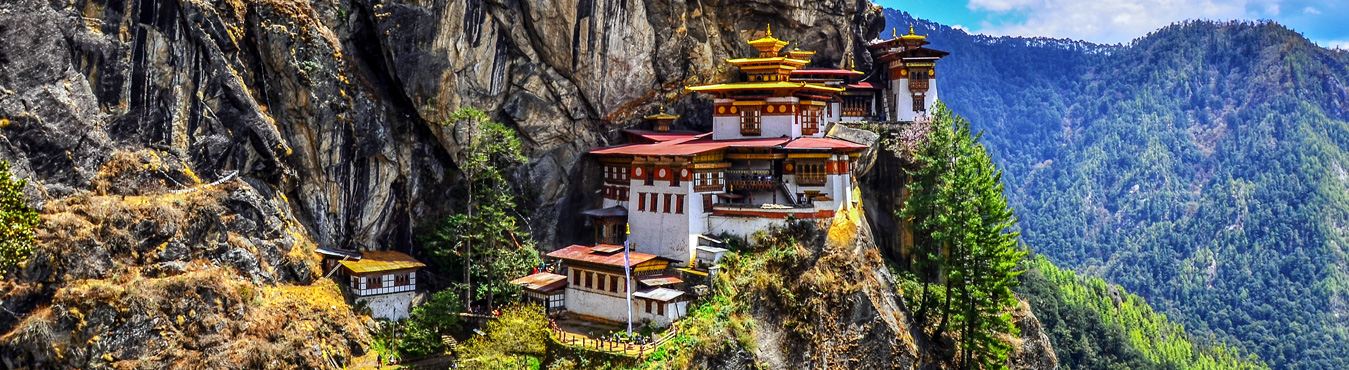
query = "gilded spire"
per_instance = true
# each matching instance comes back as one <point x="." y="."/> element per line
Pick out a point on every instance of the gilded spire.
<point x="894" y="32"/>
<point x="910" y="28"/>
<point x="769" y="30"/>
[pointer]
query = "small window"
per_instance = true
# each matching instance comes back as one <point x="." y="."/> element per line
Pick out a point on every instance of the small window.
<point x="655" y="198"/>
<point x="650" y="173"/>
<point x="613" y="284"/>
<point x="575" y="277"/>
<point x="674" y="176"/>
<point x="590" y="279"/>
<point x="667" y="203"/>
<point x="601" y="278"/>
<point x="641" y="201"/>
<point x="648" y="305"/>
<point x="679" y="204"/>
<point x="707" y="202"/>
<point x="660" y="308"/>
<point x="919" y="103"/>
<point x="749" y="121"/>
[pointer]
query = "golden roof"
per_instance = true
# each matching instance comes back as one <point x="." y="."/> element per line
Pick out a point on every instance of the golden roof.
<point x="768" y="45"/>
<point x="912" y="36"/>
<point x="662" y="115"/>
<point x="376" y="261"/>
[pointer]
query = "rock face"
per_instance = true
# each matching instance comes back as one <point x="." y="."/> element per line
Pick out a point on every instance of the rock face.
<point x="187" y="156"/>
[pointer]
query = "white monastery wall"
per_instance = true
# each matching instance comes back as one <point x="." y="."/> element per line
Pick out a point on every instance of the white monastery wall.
<point x="394" y="306"/>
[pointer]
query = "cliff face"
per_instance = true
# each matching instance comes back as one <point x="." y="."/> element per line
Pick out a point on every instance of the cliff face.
<point x="187" y="156"/>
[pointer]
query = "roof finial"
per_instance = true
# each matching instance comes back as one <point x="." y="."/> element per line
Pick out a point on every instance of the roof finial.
<point x="662" y="109"/>
<point x="769" y="30"/>
<point x="894" y="32"/>
<point x="910" y="28"/>
<point x="852" y="64"/>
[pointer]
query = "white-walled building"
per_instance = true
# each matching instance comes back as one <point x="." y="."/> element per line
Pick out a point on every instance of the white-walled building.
<point x="910" y="75"/>
<point x="383" y="281"/>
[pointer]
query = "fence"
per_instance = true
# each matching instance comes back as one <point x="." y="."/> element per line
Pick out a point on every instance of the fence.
<point x="603" y="345"/>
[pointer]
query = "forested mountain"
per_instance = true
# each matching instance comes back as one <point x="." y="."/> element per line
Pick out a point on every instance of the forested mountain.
<point x="1201" y="167"/>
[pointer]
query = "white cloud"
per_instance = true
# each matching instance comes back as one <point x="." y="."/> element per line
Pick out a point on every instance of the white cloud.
<point x="1311" y="10"/>
<point x="1334" y="44"/>
<point x="960" y="27"/>
<point x="1111" y="21"/>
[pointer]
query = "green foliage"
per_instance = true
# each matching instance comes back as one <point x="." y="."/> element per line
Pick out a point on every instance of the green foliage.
<point x="959" y="212"/>
<point x="426" y="329"/>
<point x="1095" y="325"/>
<point x="484" y="243"/>
<point x="19" y="220"/>
<point x="1201" y="167"/>
<point x="516" y="339"/>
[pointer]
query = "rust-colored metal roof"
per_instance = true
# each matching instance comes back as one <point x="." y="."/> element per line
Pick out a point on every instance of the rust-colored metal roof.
<point x="589" y="255"/>
<point x="659" y="136"/>
<point x="862" y="85"/>
<point x="687" y="147"/>
<point x="823" y="143"/>
<point x="660" y="280"/>
<point x="659" y="294"/>
<point x="764" y="86"/>
<point x="822" y="71"/>
<point x="541" y="282"/>
<point x="376" y="261"/>
<point x="607" y="248"/>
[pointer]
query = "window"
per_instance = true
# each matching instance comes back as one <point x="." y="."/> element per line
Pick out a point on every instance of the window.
<point x="810" y="173"/>
<point x="749" y="120"/>
<point x="650" y="172"/>
<point x="355" y="282"/>
<point x="660" y="308"/>
<point x="667" y="203"/>
<point x="810" y="120"/>
<point x="648" y="305"/>
<point x="372" y="282"/>
<point x="679" y="204"/>
<point x="674" y="176"/>
<point x="601" y="278"/>
<point x="641" y="201"/>
<point x="400" y="280"/>
<point x="590" y="277"/>
<point x="707" y="202"/>
<point x="575" y="277"/>
<point x="613" y="284"/>
<point x="918" y="104"/>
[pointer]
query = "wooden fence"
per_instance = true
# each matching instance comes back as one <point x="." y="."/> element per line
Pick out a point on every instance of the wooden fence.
<point x="603" y="345"/>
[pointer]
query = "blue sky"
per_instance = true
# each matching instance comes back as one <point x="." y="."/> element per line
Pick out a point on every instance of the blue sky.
<point x="1110" y="21"/>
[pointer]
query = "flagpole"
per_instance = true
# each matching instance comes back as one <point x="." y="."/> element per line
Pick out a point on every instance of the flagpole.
<point x="627" y="271"/>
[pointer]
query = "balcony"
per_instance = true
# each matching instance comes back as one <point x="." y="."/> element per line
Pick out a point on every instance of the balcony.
<point x="917" y="85"/>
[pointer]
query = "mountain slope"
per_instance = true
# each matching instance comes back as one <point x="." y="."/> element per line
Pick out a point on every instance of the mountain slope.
<point x="1201" y="167"/>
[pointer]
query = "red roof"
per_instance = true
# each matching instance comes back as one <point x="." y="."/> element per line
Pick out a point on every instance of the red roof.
<point x="659" y="136"/>
<point x="862" y="85"/>
<point x="587" y="254"/>
<point x="823" y="143"/>
<point x="688" y="146"/>
<point x="844" y="72"/>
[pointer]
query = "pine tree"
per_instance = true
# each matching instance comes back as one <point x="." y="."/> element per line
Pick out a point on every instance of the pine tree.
<point x="485" y="240"/>
<point x="17" y="219"/>
<point x="958" y="208"/>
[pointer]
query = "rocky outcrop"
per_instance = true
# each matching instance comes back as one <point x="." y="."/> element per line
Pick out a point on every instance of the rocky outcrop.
<point x="187" y="156"/>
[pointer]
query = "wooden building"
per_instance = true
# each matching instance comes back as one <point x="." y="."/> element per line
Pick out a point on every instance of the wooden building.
<point x="383" y="281"/>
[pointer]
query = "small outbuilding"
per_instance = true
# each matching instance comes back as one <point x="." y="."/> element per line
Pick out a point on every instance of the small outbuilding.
<point x="545" y="288"/>
<point x="383" y="281"/>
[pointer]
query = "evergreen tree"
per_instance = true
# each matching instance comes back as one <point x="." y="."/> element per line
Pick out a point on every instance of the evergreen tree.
<point x="957" y="206"/>
<point x="485" y="241"/>
<point x="17" y="219"/>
